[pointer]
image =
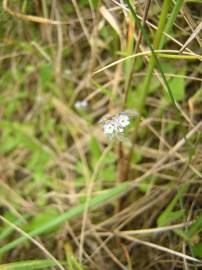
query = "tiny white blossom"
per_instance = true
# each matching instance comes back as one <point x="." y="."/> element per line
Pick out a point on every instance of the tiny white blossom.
<point x="81" y="104"/>
<point x="123" y="120"/>
<point x="108" y="128"/>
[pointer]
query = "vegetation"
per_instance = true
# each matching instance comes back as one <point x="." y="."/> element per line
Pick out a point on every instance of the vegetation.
<point x="72" y="197"/>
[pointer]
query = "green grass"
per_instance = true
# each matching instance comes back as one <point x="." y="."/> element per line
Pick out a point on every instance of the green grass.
<point x="28" y="265"/>
<point x="65" y="189"/>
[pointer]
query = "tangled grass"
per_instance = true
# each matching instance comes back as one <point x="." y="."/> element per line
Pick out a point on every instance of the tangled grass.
<point x="71" y="198"/>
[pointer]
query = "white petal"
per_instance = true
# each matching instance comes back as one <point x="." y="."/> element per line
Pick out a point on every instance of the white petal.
<point x="108" y="128"/>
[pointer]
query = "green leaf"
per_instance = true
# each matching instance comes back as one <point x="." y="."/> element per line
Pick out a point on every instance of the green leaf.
<point x="196" y="227"/>
<point x="47" y="216"/>
<point x="183" y="234"/>
<point x="108" y="173"/>
<point x="8" y="143"/>
<point x="133" y="99"/>
<point x="169" y="127"/>
<point x="177" y="86"/>
<point x="168" y="215"/>
<point x="95" y="149"/>
<point x="110" y="158"/>
<point x="72" y="262"/>
<point x="68" y="8"/>
<point x="38" y="160"/>
<point x="79" y="167"/>
<point x="172" y="216"/>
<point x="46" y="74"/>
<point x="197" y="250"/>
<point x="137" y="157"/>
<point x="155" y="85"/>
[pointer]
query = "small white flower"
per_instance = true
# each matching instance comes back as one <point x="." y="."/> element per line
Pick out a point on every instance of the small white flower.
<point x="81" y="104"/>
<point x="109" y="128"/>
<point x="123" y="120"/>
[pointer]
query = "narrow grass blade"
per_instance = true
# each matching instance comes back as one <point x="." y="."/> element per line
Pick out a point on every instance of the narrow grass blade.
<point x="169" y="215"/>
<point x="171" y="21"/>
<point x="28" y="265"/>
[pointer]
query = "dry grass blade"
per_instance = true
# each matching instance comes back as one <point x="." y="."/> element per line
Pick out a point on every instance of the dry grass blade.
<point x="158" y="247"/>
<point x="193" y="35"/>
<point x="110" y="19"/>
<point x="150" y="230"/>
<point x="158" y="230"/>
<point x="29" y="18"/>
<point x="161" y="53"/>
<point x="173" y="150"/>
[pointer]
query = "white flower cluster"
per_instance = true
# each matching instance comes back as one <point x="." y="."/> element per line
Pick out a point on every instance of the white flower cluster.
<point x="117" y="124"/>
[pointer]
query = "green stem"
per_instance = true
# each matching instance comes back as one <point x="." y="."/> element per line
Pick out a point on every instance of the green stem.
<point x="171" y="21"/>
<point x="129" y="77"/>
<point x="162" y="22"/>
<point x="149" y="72"/>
